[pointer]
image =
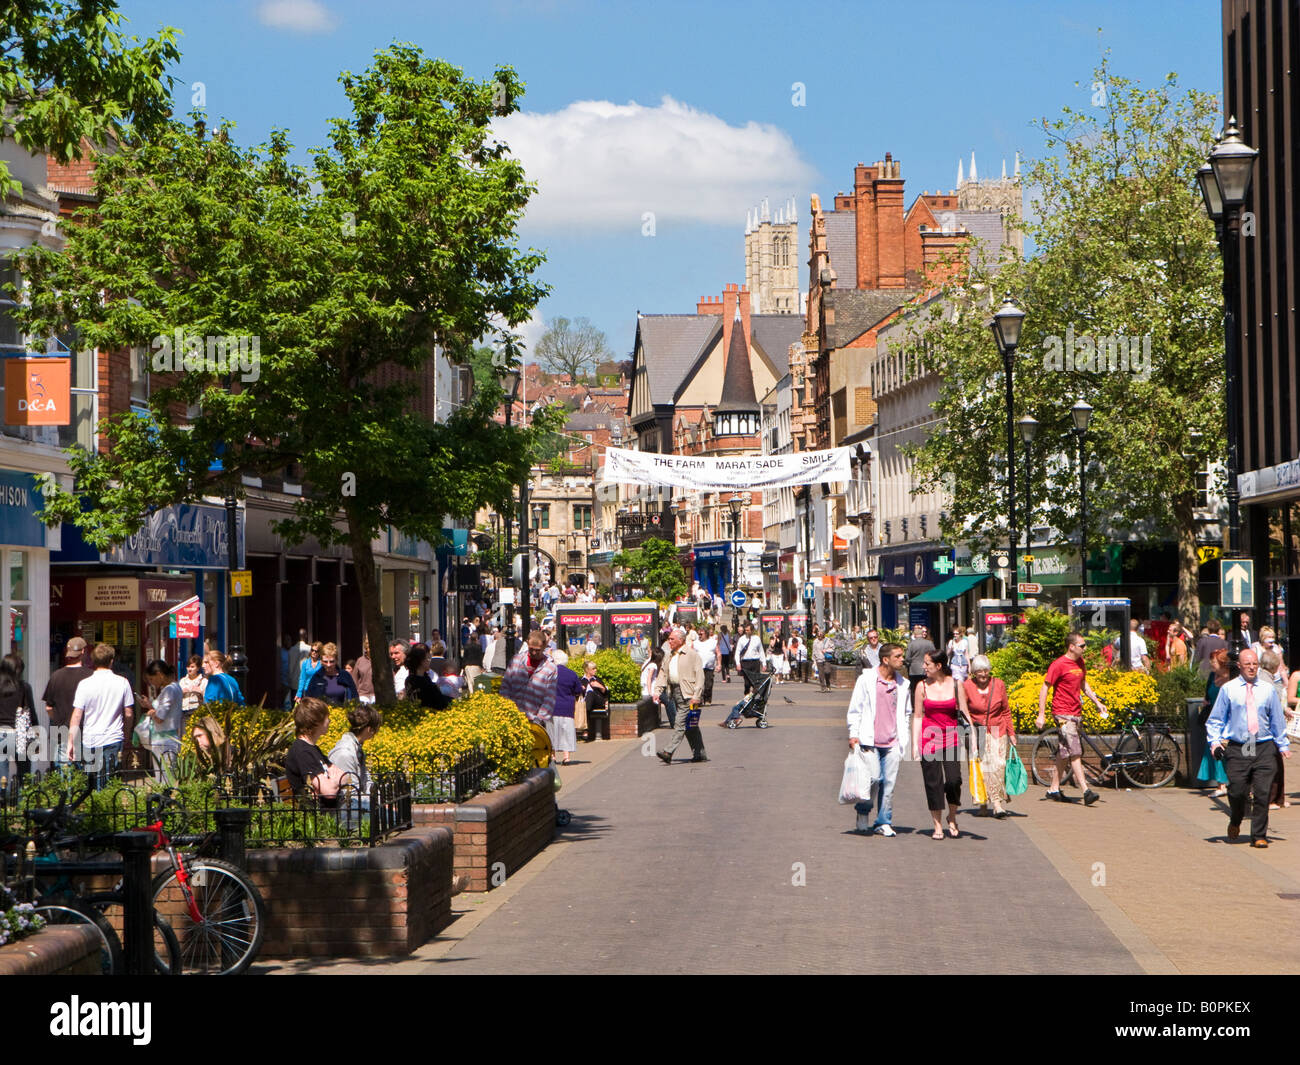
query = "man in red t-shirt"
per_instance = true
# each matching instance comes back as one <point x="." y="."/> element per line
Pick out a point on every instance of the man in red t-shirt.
<point x="1068" y="677"/>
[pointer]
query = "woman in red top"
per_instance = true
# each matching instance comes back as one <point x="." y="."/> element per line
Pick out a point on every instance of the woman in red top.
<point x="990" y="713"/>
<point x="940" y="702"/>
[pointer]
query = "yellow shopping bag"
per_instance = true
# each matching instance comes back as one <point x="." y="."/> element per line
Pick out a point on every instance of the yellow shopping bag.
<point x="978" y="793"/>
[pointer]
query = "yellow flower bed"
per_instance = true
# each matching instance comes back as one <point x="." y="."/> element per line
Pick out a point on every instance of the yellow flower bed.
<point x="1120" y="691"/>
<point x="420" y="741"/>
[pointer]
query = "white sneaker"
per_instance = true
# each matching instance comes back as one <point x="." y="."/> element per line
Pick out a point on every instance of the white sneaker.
<point x="885" y="830"/>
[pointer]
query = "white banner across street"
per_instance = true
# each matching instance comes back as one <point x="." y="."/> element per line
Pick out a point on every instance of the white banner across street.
<point x="722" y="474"/>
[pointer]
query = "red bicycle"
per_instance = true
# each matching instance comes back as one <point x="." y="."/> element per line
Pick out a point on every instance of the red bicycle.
<point x="217" y="913"/>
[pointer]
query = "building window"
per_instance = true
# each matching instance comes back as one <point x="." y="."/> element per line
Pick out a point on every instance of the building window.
<point x="582" y="517"/>
<point x="139" y="378"/>
<point x="544" y="511"/>
<point x="17" y="592"/>
<point x="11" y="337"/>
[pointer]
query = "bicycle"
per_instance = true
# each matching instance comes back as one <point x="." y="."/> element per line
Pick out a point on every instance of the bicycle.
<point x="1148" y="756"/>
<point x="209" y="907"/>
<point x="60" y="902"/>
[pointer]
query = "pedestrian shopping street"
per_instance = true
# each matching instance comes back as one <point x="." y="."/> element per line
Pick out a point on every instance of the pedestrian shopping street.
<point x="748" y="864"/>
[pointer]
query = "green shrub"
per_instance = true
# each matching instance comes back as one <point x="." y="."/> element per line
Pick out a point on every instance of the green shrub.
<point x="1173" y="688"/>
<point x="620" y="674"/>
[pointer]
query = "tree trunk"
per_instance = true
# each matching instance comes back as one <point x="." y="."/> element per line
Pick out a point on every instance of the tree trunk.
<point x="363" y="566"/>
<point x="1189" y="595"/>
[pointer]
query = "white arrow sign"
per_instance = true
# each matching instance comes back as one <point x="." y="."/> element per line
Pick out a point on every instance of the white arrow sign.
<point x="1236" y="582"/>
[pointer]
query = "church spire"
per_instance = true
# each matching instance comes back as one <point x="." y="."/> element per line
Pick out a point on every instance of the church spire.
<point x="960" y="180"/>
<point x="972" y="166"/>
<point x="1017" y="174"/>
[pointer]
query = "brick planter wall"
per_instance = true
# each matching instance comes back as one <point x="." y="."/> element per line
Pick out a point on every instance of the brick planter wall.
<point x="844" y="676"/>
<point x="501" y="829"/>
<point x="59" y="950"/>
<point x="629" y="720"/>
<point x="342" y="901"/>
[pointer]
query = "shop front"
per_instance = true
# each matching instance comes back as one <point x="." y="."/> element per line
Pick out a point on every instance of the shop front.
<point x="713" y="567"/>
<point x="181" y="551"/>
<point x="132" y="614"/>
<point x="25" y="545"/>
<point x="906" y="575"/>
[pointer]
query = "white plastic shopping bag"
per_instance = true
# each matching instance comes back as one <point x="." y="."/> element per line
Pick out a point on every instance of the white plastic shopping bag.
<point x="855" y="786"/>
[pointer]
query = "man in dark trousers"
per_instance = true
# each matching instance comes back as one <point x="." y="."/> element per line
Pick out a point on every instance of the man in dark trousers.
<point x="59" y="692"/>
<point x="1248" y="730"/>
<point x="917" y="648"/>
<point x="751" y="657"/>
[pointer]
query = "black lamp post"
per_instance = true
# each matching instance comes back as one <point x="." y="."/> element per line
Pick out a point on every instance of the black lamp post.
<point x="1028" y="430"/>
<point x="1006" y="323"/>
<point x="1081" y="412"/>
<point x="1224" y="188"/>
<point x="510" y="380"/>
<point x="807" y="562"/>
<point x="736" y="504"/>
<point x="238" y="666"/>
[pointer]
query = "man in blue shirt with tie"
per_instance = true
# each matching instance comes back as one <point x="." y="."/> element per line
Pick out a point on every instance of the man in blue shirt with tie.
<point x="1247" y="725"/>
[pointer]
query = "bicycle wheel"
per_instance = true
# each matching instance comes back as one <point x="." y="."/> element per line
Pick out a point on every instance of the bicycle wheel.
<point x="1155" y="759"/>
<point x="57" y="913"/>
<point x="1045" y="756"/>
<point x="224" y="932"/>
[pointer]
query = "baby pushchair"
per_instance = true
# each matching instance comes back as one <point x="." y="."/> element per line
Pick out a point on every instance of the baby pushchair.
<point x="753" y="705"/>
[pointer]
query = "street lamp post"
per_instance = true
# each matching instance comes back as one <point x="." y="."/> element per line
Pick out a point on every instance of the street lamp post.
<point x="511" y="381"/>
<point x="1081" y="412"/>
<point x="736" y="504"/>
<point x="807" y="563"/>
<point x="1029" y="430"/>
<point x="1225" y="182"/>
<point x="1006" y="324"/>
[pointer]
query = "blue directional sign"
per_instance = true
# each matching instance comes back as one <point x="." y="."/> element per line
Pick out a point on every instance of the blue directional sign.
<point x="1236" y="582"/>
<point x="739" y="598"/>
<point x="809" y="591"/>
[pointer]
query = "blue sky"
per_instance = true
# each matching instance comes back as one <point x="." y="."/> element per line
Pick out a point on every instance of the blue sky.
<point x="688" y="111"/>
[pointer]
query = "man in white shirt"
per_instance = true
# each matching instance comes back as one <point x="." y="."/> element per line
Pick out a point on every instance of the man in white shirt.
<point x="102" y="716"/>
<point x="706" y="646"/>
<point x="751" y="658"/>
<point x="1138" y="658"/>
<point x="397" y="653"/>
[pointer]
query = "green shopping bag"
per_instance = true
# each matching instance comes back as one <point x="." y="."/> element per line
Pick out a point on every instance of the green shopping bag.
<point x="1016" y="780"/>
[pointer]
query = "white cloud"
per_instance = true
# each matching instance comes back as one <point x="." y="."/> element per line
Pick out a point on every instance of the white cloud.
<point x="298" y="16"/>
<point x="600" y="165"/>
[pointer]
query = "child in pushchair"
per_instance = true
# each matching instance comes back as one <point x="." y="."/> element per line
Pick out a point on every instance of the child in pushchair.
<point x="752" y="705"/>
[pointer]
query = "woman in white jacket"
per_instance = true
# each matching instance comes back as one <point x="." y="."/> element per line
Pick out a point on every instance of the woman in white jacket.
<point x="883" y="736"/>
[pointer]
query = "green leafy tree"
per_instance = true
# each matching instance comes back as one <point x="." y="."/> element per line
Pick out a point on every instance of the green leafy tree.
<point x="574" y="347"/>
<point x="398" y="241"/>
<point x="1124" y="249"/>
<point x="655" y="567"/>
<point x="68" y="73"/>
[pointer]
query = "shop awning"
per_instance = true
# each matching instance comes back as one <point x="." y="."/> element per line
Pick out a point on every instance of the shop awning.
<point x="950" y="589"/>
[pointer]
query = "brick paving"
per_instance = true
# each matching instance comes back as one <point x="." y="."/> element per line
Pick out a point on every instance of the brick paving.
<point x="694" y="869"/>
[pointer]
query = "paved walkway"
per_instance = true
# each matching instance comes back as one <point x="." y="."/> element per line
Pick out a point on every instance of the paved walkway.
<point x="748" y="864"/>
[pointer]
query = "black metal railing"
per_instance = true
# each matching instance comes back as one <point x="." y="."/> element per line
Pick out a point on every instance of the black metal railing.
<point x="455" y="781"/>
<point x="276" y="817"/>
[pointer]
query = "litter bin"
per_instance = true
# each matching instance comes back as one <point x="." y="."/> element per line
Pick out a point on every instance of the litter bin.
<point x="1195" y="738"/>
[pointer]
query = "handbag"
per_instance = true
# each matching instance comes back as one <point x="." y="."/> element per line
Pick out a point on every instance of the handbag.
<point x="978" y="792"/>
<point x="1015" y="778"/>
<point x="855" y="784"/>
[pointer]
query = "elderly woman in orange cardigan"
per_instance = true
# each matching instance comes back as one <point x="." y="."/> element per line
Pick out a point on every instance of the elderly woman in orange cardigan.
<point x="990" y="713"/>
